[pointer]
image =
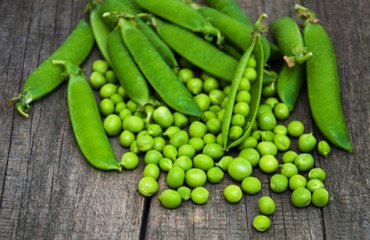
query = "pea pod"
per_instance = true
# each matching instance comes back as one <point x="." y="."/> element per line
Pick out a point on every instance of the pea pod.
<point x="126" y="70"/>
<point x="46" y="77"/>
<point x="323" y="82"/>
<point x="196" y="50"/>
<point x="255" y="48"/>
<point x="85" y="119"/>
<point x="132" y="5"/>
<point x="162" y="78"/>
<point x="182" y="14"/>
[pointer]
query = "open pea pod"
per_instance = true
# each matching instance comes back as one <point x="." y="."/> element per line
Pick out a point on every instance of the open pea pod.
<point x="255" y="48"/>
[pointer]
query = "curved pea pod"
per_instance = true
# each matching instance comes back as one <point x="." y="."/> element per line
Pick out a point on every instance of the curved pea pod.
<point x="255" y="48"/>
<point x="46" y="77"/>
<point x="126" y="69"/>
<point x="182" y="14"/>
<point x="323" y="82"/>
<point x="161" y="77"/>
<point x="132" y="5"/>
<point x="85" y="119"/>
<point x="196" y="50"/>
<point x="117" y="8"/>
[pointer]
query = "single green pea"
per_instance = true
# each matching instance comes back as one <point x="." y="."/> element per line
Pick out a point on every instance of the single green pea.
<point x="219" y="139"/>
<point x="235" y="132"/>
<point x="196" y="142"/>
<point x="249" y="142"/>
<point x="224" y="162"/>
<point x="227" y="90"/>
<point x="134" y="148"/>
<point x="135" y="124"/>
<point x="124" y="114"/>
<point x="126" y="138"/>
<point x="151" y="170"/>
<point x="121" y="91"/>
<point x="129" y="161"/>
<point x="281" y="111"/>
<point x="183" y="162"/>
<point x="207" y="115"/>
<point x="289" y="157"/>
<point x="297" y="181"/>
<point x="304" y="162"/>
<point x="106" y="107"/>
<point x="250" y="74"/>
<point x="194" y="85"/>
<point x="261" y="223"/>
<point x="215" y="108"/>
<point x="133" y="106"/>
<point x="186" y="150"/>
<point x="269" y="90"/>
<point x="185" y="74"/>
<point x="279" y="183"/>
<point x="199" y="195"/>
<point x="320" y="197"/>
<point x="119" y="107"/>
<point x="323" y="148"/>
<point x="154" y="130"/>
<point x="116" y="98"/>
<point x="100" y="66"/>
<point x="288" y="169"/>
<point x="280" y="129"/>
<point x="267" y="136"/>
<point x="282" y="142"/>
<point x="180" y="120"/>
<point x="238" y="120"/>
<point x="213" y="150"/>
<point x="301" y="197"/>
<point x="203" y="162"/>
<point x="233" y="193"/>
<point x="215" y="175"/>
<point x="216" y="96"/>
<point x="252" y="62"/>
<point x="152" y="156"/>
<point x="97" y="80"/>
<point x="220" y="114"/>
<point x="171" y="130"/>
<point x="197" y="129"/>
<point x="268" y="164"/>
<point x="144" y="142"/>
<point x="256" y="134"/>
<point x="170" y="151"/>
<point x="317" y="173"/>
<point x="165" y="164"/>
<point x="214" y="126"/>
<point x="243" y="96"/>
<point x="203" y="101"/>
<point x="112" y="125"/>
<point x="314" y="184"/>
<point x="159" y="144"/>
<point x="306" y="142"/>
<point x="175" y="177"/>
<point x="195" y="177"/>
<point x="239" y="168"/>
<point x="244" y="84"/>
<point x="111" y="77"/>
<point x="271" y="102"/>
<point x="148" y="186"/>
<point x="263" y="108"/>
<point x="241" y="108"/>
<point x="210" y="84"/>
<point x="170" y="198"/>
<point x="266" y="121"/>
<point x="266" y="205"/>
<point x="251" y="185"/>
<point x="209" y="138"/>
<point x="163" y="116"/>
<point x="179" y="138"/>
<point x="185" y="193"/>
<point x="251" y="155"/>
<point x="295" y="128"/>
<point x="267" y="148"/>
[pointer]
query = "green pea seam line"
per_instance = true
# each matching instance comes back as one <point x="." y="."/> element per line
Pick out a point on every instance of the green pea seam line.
<point x="47" y="76"/>
<point x="323" y="82"/>
<point x="255" y="48"/>
<point x="196" y="50"/>
<point x="127" y="72"/>
<point x="161" y="77"/>
<point x="112" y="10"/>
<point x="291" y="77"/>
<point x="86" y="122"/>
<point x="183" y="15"/>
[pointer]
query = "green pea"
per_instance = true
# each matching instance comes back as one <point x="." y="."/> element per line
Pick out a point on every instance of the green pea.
<point x="256" y="134"/>
<point x="203" y="101"/>
<point x="279" y="183"/>
<point x="210" y="84"/>
<point x="216" y="96"/>
<point x="214" y="150"/>
<point x="267" y="148"/>
<point x="121" y="91"/>
<point x="129" y="161"/>
<point x="179" y="138"/>
<point x="281" y="111"/>
<point x="224" y="162"/>
<point x="280" y="129"/>
<point x="185" y="74"/>
<point x="112" y="125"/>
<point x="126" y="138"/>
<point x="195" y="177"/>
<point x="163" y="116"/>
<point x="304" y="162"/>
<point x="170" y="152"/>
<point x="268" y="164"/>
<point x="267" y="136"/>
<point x="216" y="109"/>
<point x="183" y="162"/>
<point x="171" y="130"/>
<point x="132" y="106"/>
<point x="220" y="114"/>
<point x="250" y="74"/>
<point x="289" y="169"/>
<point x="144" y="142"/>
<point x="197" y="143"/>
<point x="251" y="155"/>
<point x="238" y="120"/>
<point x="205" y="75"/>
<point x="233" y="193"/>
<point x="295" y="128"/>
<point x="271" y="102"/>
<point x="261" y="223"/>
<point x="251" y="185"/>
<point x="249" y="142"/>
<point x="266" y="205"/>
<point x="317" y="173"/>
<point x="108" y="90"/>
<point x="170" y="198"/>
<point x="97" y="80"/>
<point x="116" y="98"/>
<point x="100" y="66"/>
<point x="306" y="142"/>
<point x="153" y="157"/>
<point x="301" y="197"/>
<point x="135" y="124"/>
<point x="239" y="168"/>
<point x="148" y="186"/>
<point x="111" y="77"/>
<point x="323" y="148"/>
<point x="124" y="114"/>
<point x="282" y="142"/>
<point x="154" y="130"/>
<point x="215" y="175"/>
<point x="244" y="84"/>
<point x="119" y="107"/>
<point x="242" y="108"/>
<point x="266" y="121"/>
<point x="134" y="148"/>
<point x="209" y="138"/>
<point x="180" y="120"/>
<point x="106" y="107"/>
<point x="197" y="129"/>
<point x="214" y="125"/>
<point x="165" y="164"/>
<point x="227" y="90"/>
<point x="207" y="115"/>
<point x="289" y="157"/>
<point x="297" y="181"/>
<point x="263" y="108"/>
<point x="320" y="197"/>
<point x="175" y="177"/>
<point x="219" y="139"/>
<point x="252" y="62"/>
<point x="159" y="144"/>
<point x="194" y="85"/>
<point x="185" y="193"/>
<point x="243" y="96"/>
<point x="199" y="195"/>
<point x="203" y="162"/>
<point x="314" y="184"/>
<point x="186" y="150"/>
<point x="235" y="132"/>
<point x="269" y="90"/>
<point x="151" y="170"/>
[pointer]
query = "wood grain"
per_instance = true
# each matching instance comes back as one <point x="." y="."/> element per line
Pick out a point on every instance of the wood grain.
<point x="49" y="191"/>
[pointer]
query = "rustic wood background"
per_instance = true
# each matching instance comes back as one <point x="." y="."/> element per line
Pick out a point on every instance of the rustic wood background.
<point x="49" y="191"/>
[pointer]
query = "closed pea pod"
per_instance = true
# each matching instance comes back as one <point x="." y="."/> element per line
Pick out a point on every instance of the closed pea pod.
<point x="48" y="76"/>
<point x="165" y="82"/>
<point x="323" y="82"/>
<point x="86" y="122"/>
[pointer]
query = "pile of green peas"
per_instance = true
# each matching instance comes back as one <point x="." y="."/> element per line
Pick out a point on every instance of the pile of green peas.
<point x="190" y="149"/>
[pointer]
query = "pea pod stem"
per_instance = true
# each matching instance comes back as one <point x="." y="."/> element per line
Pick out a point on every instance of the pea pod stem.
<point x="298" y="59"/>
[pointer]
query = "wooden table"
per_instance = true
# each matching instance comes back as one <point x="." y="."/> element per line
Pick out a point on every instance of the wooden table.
<point x="49" y="191"/>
